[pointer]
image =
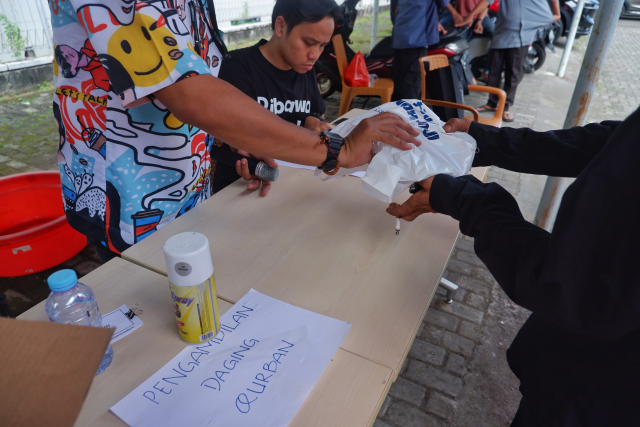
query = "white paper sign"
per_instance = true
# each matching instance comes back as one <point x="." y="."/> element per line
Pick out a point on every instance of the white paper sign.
<point x="257" y="371"/>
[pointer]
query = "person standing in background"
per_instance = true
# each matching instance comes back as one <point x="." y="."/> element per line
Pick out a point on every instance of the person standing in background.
<point x="516" y="28"/>
<point x="416" y="26"/>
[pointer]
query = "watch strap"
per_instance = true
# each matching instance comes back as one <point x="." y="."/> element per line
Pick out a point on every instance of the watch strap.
<point x="334" y="143"/>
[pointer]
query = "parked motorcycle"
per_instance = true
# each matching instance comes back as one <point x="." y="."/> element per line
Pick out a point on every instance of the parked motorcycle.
<point x="537" y="53"/>
<point x="567" y="7"/>
<point x="380" y="60"/>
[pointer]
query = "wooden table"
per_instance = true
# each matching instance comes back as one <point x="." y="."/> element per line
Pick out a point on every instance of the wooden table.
<point x="352" y="387"/>
<point x="322" y="246"/>
<point x="325" y="247"/>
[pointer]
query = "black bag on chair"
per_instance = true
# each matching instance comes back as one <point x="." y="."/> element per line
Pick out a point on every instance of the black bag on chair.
<point x="445" y="84"/>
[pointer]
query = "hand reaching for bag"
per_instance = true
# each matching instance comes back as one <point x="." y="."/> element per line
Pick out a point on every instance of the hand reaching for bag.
<point x="457" y="125"/>
<point x="386" y="127"/>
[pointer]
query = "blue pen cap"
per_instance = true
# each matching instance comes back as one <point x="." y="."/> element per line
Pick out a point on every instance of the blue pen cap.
<point x="62" y="280"/>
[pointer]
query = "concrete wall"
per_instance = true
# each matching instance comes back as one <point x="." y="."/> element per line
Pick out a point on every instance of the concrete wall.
<point x="25" y="79"/>
<point x="14" y="80"/>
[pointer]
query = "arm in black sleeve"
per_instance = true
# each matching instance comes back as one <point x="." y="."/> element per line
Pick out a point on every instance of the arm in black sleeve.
<point x="583" y="276"/>
<point x="489" y="214"/>
<point x="563" y="152"/>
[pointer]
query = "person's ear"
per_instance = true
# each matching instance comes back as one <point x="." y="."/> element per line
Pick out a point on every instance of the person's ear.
<point x="280" y="27"/>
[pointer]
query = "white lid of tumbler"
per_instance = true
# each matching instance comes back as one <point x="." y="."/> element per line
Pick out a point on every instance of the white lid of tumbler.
<point x="188" y="259"/>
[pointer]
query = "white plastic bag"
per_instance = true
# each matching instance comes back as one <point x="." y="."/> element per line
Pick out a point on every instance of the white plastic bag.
<point x="393" y="170"/>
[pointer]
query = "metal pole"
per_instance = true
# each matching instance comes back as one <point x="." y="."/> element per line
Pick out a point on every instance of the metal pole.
<point x="599" y="41"/>
<point x="46" y="23"/>
<point x="577" y="14"/>
<point x="374" y="24"/>
<point x="549" y="202"/>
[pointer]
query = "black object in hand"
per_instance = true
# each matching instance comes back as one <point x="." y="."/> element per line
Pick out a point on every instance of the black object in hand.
<point x="256" y="167"/>
<point x="415" y="187"/>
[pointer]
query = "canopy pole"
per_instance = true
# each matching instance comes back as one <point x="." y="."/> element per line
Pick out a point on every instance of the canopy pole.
<point x="599" y="41"/>
<point x="374" y="24"/>
<point x="577" y="14"/>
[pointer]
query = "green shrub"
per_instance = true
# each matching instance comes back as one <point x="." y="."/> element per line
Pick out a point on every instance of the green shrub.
<point x="16" y="42"/>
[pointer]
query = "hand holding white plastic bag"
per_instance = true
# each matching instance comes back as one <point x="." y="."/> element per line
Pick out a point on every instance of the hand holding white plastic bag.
<point x="392" y="170"/>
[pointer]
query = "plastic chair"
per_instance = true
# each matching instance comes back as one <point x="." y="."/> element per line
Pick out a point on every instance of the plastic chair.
<point x="435" y="102"/>
<point x="382" y="87"/>
<point x="439" y="61"/>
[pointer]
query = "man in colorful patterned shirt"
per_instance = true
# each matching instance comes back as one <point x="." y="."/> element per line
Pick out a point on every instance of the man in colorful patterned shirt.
<point x="136" y="101"/>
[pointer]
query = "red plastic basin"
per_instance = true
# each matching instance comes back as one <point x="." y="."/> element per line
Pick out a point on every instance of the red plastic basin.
<point x="34" y="233"/>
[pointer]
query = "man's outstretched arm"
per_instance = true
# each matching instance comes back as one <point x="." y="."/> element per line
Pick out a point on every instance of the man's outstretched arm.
<point x="564" y="152"/>
<point x="222" y="110"/>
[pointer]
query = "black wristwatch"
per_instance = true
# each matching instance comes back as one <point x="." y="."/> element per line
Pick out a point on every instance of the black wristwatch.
<point x="334" y="144"/>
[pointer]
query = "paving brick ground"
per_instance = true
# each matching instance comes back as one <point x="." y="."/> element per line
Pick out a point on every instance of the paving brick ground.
<point x="28" y="134"/>
<point x="456" y="372"/>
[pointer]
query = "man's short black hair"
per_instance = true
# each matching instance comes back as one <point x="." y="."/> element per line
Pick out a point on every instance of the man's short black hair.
<point x="296" y="12"/>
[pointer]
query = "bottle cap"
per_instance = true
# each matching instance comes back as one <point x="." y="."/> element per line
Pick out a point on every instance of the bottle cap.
<point x="188" y="259"/>
<point x="62" y="280"/>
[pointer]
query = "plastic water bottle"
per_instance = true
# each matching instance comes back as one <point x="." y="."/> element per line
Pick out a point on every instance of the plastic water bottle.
<point x="73" y="303"/>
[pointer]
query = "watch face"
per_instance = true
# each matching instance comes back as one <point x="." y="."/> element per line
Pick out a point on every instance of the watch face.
<point x="331" y="135"/>
<point x="334" y="138"/>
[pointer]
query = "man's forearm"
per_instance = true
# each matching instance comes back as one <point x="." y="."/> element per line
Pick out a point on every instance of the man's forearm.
<point x="555" y="10"/>
<point x="222" y="110"/>
<point x="563" y="152"/>
<point x="481" y="6"/>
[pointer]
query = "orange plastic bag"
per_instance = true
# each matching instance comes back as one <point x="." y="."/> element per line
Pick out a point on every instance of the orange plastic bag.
<point x="357" y="74"/>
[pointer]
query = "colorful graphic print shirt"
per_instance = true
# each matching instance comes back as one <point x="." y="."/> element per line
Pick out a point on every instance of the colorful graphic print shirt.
<point x="127" y="165"/>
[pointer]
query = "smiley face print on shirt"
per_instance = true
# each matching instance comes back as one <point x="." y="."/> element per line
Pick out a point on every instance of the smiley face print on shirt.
<point x="149" y="50"/>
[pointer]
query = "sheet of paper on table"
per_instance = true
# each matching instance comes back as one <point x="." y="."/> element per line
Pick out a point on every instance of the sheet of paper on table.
<point x="118" y="319"/>
<point x="257" y="370"/>
<point x="359" y="174"/>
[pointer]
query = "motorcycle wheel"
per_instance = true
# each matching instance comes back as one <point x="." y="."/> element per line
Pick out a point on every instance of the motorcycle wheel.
<point x="558" y="29"/>
<point x="325" y="86"/>
<point x="538" y="56"/>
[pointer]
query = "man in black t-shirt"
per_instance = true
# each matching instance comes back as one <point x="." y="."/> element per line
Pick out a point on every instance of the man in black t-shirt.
<point x="279" y="73"/>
